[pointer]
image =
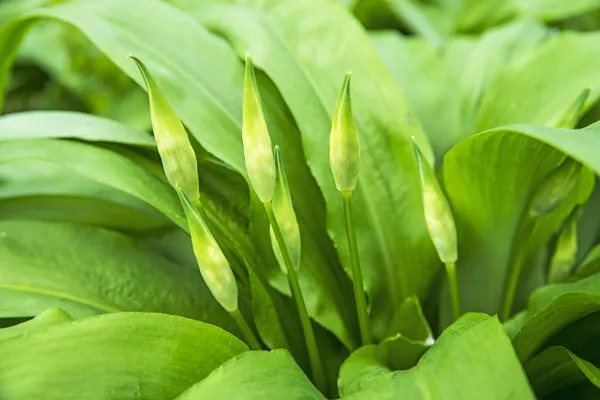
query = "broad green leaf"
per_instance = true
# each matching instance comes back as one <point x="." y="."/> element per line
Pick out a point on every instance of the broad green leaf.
<point x="557" y="368"/>
<point x="410" y="322"/>
<point x="307" y="62"/>
<point x="65" y="124"/>
<point x="88" y="271"/>
<point x="104" y="166"/>
<point x="542" y="87"/>
<point x="456" y="367"/>
<point x="48" y="318"/>
<point x="428" y="85"/>
<point x="202" y="79"/>
<point x="123" y="355"/>
<point x="409" y="338"/>
<point x="489" y="179"/>
<point x="554" y="307"/>
<point x="265" y="315"/>
<point x="38" y="189"/>
<point x="255" y="375"/>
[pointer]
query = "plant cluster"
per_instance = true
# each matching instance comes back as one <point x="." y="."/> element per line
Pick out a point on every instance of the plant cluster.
<point x="191" y="207"/>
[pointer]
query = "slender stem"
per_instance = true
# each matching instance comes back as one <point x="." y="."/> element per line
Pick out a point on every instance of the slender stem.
<point x="311" y="343"/>
<point x="454" y="294"/>
<point x="516" y="266"/>
<point x="359" y="292"/>
<point x="251" y="338"/>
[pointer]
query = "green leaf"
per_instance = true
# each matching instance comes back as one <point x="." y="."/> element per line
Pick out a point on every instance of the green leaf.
<point x="557" y="368"/>
<point x="176" y="152"/>
<point x="104" y="166"/>
<point x="552" y="10"/>
<point x="265" y="315"/>
<point x="48" y="318"/>
<point x="409" y="338"/>
<point x="554" y="307"/>
<point x="306" y="63"/>
<point x="123" y="355"/>
<point x="65" y="124"/>
<point x="410" y="321"/>
<point x="489" y="179"/>
<point x="456" y="367"/>
<point x="88" y="271"/>
<point x="545" y="75"/>
<point x="255" y="375"/>
<point x="428" y="84"/>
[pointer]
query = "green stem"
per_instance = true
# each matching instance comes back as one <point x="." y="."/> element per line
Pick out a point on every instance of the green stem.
<point x="516" y="266"/>
<point x="311" y="343"/>
<point x="454" y="293"/>
<point x="251" y="338"/>
<point x="359" y="292"/>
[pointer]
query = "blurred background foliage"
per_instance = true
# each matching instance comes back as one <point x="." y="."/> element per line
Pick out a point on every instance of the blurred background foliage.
<point x="57" y="68"/>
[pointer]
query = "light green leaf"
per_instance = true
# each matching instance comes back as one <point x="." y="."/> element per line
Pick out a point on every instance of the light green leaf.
<point x="489" y="179"/>
<point x="87" y="271"/>
<point x="552" y="10"/>
<point x="65" y="124"/>
<point x="104" y="166"/>
<point x="306" y="62"/>
<point x="255" y="375"/>
<point x="409" y="338"/>
<point x="557" y="368"/>
<point x="565" y="250"/>
<point x="457" y="367"/>
<point x="554" y="307"/>
<point x="48" y="318"/>
<point x="542" y="88"/>
<point x="123" y="355"/>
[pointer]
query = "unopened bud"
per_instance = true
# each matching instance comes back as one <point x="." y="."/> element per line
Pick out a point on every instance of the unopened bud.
<point x="344" y="148"/>
<point x="438" y="215"/>
<point x="258" y="152"/>
<point x="176" y="152"/>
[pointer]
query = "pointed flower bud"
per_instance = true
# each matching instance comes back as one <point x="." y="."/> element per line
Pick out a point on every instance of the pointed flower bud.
<point x="258" y="152"/>
<point x="176" y="152"/>
<point x="286" y="218"/>
<point x="565" y="252"/>
<point x="344" y="149"/>
<point x="555" y="188"/>
<point x="438" y="215"/>
<point x="213" y="264"/>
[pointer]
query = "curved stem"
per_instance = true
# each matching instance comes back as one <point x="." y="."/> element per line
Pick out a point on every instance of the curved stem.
<point x="359" y="291"/>
<point x="454" y="294"/>
<point x="251" y="338"/>
<point x="311" y="343"/>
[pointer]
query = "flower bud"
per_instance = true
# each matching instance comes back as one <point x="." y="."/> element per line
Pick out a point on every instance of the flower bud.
<point x="258" y="152"/>
<point x="213" y="264"/>
<point x="286" y="218"/>
<point x="176" y="152"/>
<point x="344" y="148"/>
<point x="555" y="188"/>
<point x="438" y="215"/>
